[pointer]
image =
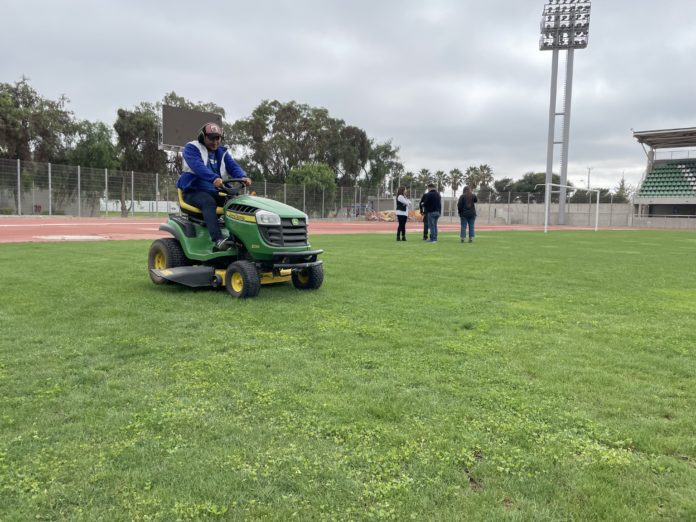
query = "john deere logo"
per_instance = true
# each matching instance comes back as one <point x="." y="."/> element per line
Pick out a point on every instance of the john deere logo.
<point x="295" y="221"/>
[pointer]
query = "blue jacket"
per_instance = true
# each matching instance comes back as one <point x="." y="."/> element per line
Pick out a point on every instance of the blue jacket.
<point x="196" y="175"/>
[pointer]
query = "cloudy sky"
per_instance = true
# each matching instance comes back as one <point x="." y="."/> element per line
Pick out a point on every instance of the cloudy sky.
<point x="453" y="83"/>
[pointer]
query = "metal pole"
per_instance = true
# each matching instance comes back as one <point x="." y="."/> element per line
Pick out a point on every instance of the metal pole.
<point x="132" y="193"/>
<point x="611" y="208"/>
<point x="50" y="192"/>
<point x="489" y="207"/>
<point x="156" y="192"/>
<point x="79" y="192"/>
<point x="322" y="202"/>
<point x="341" y="198"/>
<point x="285" y="193"/>
<point x="596" y="223"/>
<point x="106" y="191"/>
<point x="528" y="207"/>
<point x="566" y="135"/>
<point x="509" y="221"/>
<point x="304" y="198"/>
<point x="552" y="117"/>
<point x="547" y="207"/>
<point x="19" y="187"/>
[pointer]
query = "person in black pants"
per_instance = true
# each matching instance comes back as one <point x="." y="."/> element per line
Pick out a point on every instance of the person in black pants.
<point x="421" y="207"/>
<point x="433" y="207"/>
<point x="402" y="204"/>
<point x="467" y="213"/>
<point x="205" y="163"/>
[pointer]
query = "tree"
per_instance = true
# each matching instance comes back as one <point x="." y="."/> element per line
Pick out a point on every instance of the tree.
<point x="441" y="180"/>
<point x="138" y="148"/>
<point x="355" y="150"/>
<point x="456" y="178"/>
<point x="33" y="128"/>
<point x="319" y="182"/>
<point x="278" y="137"/>
<point x="408" y="179"/>
<point x="623" y="192"/>
<point x="476" y="176"/>
<point x="383" y="162"/>
<point x="500" y="187"/>
<point x="424" y="177"/>
<point x="94" y="146"/>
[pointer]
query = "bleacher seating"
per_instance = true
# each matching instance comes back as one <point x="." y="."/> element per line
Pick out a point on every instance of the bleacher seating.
<point x="672" y="179"/>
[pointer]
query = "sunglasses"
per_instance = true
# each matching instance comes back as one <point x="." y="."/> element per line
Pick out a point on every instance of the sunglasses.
<point x="214" y="138"/>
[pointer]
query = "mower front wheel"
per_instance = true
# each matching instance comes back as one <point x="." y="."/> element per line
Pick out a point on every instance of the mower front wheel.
<point x="165" y="253"/>
<point x="309" y="278"/>
<point x="242" y="280"/>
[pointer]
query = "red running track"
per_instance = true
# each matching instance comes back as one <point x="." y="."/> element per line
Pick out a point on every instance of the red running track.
<point x="18" y="229"/>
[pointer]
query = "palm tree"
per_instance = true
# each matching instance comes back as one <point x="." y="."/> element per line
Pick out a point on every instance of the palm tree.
<point x="471" y="177"/>
<point x="441" y="179"/>
<point x="479" y="176"/>
<point x="486" y="174"/>
<point x="424" y="177"/>
<point x="456" y="178"/>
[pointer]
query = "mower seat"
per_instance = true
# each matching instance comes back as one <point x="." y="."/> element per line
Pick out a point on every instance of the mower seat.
<point x="195" y="211"/>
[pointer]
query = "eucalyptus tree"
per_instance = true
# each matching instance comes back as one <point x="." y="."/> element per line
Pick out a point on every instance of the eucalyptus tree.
<point x="138" y="148"/>
<point x="33" y="128"/>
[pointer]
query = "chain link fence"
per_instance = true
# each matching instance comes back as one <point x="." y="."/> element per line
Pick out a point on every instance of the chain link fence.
<point x="34" y="188"/>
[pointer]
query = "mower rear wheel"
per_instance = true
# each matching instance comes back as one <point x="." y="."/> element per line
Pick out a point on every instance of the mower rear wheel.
<point x="309" y="278"/>
<point x="242" y="279"/>
<point x="165" y="253"/>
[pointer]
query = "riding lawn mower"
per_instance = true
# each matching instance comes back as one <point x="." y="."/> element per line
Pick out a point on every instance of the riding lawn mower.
<point x="267" y="243"/>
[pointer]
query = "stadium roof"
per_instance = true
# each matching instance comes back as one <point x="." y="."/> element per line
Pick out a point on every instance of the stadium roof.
<point x="667" y="138"/>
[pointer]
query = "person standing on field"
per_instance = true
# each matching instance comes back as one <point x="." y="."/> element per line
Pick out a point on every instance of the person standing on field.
<point x="421" y="208"/>
<point x="433" y="208"/>
<point x="467" y="213"/>
<point x="402" y="206"/>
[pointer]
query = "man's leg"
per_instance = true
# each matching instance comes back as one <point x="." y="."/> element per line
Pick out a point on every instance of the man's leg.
<point x="472" y="219"/>
<point x="433" y="230"/>
<point x="425" y="226"/>
<point x="207" y="203"/>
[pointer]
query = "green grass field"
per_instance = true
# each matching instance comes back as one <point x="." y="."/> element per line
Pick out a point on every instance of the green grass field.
<point x="522" y="377"/>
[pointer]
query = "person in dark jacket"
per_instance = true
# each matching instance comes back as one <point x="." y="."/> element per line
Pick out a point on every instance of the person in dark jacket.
<point x="422" y="213"/>
<point x="467" y="213"/>
<point x="433" y="207"/>
<point x="205" y="163"/>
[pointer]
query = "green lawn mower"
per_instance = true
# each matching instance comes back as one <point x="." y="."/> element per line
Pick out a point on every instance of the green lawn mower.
<point x="268" y="244"/>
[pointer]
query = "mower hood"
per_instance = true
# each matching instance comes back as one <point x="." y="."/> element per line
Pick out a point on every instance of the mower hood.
<point x="270" y="205"/>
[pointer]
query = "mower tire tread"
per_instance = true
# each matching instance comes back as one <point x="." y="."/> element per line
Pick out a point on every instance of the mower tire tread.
<point x="165" y="253"/>
<point x="309" y="278"/>
<point x="242" y="279"/>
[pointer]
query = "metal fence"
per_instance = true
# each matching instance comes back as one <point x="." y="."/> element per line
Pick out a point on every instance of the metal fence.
<point x="33" y="188"/>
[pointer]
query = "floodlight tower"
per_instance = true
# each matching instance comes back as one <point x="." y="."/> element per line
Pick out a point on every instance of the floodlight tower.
<point x="565" y="24"/>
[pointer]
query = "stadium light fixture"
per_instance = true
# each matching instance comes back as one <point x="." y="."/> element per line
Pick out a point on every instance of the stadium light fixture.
<point x="565" y="25"/>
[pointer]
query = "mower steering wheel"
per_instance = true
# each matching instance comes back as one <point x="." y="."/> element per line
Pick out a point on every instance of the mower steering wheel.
<point x="229" y="188"/>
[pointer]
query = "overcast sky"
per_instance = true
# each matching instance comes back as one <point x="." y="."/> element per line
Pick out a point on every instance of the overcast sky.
<point x="453" y="83"/>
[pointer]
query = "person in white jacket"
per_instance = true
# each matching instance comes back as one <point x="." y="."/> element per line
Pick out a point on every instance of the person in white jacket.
<point x="402" y="206"/>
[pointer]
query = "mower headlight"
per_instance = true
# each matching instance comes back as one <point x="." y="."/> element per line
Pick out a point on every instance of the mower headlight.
<point x="264" y="217"/>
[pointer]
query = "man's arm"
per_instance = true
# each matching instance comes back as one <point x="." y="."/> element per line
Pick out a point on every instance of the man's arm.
<point x="235" y="171"/>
